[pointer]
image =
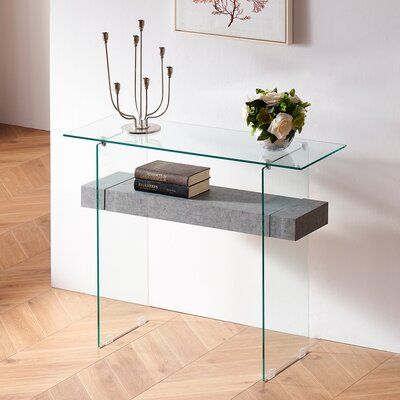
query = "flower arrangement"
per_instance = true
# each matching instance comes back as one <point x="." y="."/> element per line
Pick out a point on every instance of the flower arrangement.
<point x="276" y="116"/>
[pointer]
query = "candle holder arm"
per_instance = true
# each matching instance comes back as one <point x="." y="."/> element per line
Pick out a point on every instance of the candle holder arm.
<point x="168" y="100"/>
<point x="115" y="104"/>
<point x="162" y="53"/>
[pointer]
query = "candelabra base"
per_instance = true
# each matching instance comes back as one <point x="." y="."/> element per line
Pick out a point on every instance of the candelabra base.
<point x="133" y="130"/>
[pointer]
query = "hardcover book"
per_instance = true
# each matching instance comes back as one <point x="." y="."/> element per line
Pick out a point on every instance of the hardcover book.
<point x="174" y="173"/>
<point x="170" y="189"/>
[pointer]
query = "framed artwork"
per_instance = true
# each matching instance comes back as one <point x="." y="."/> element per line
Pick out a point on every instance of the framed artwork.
<point x="261" y="20"/>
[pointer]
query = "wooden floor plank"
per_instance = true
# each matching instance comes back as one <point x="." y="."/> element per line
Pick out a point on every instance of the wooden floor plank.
<point x="31" y="239"/>
<point x="8" y="134"/>
<point x="159" y="353"/>
<point x="20" y="215"/>
<point x="134" y="374"/>
<point x="266" y="391"/>
<point x="70" y="389"/>
<point x="11" y="252"/>
<point x="19" y="145"/>
<point x="24" y="180"/>
<point x="78" y="305"/>
<point x="43" y="222"/>
<point x="22" y="326"/>
<point x="7" y="348"/>
<point x="383" y="383"/>
<point x="101" y="383"/>
<point x="46" y="160"/>
<point x="329" y="370"/>
<point x="377" y="356"/>
<point x="24" y="281"/>
<point x="67" y="352"/>
<point x="47" y="396"/>
<point x="49" y="312"/>
<point x="356" y="361"/>
<point x="221" y="373"/>
<point x="15" y="181"/>
<point x="300" y="383"/>
<point x="4" y="195"/>
<point x="37" y="172"/>
<point x="182" y="341"/>
<point x="316" y="364"/>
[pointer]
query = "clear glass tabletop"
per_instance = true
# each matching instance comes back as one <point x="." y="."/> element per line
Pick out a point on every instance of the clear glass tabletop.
<point x="210" y="142"/>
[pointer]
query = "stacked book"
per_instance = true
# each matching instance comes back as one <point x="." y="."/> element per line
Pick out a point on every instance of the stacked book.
<point x="173" y="179"/>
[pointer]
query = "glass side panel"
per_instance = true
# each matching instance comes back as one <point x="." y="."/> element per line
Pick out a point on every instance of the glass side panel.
<point x="286" y="284"/>
<point x="123" y="287"/>
<point x="209" y="142"/>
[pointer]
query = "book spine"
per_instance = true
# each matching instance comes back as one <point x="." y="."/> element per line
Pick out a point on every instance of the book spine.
<point x="143" y="173"/>
<point x="145" y="185"/>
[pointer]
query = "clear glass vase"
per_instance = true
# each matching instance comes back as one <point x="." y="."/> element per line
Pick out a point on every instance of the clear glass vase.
<point x="278" y="145"/>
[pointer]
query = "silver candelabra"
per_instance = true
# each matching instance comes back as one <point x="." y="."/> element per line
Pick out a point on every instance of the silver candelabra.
<point x="141" y="114"/>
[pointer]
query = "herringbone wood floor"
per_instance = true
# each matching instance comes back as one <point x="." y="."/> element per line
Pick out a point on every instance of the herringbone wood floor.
<point x="48" y="336"/>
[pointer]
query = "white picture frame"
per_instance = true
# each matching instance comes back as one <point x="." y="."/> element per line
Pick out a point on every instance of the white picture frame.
<point x="271" y="24"/>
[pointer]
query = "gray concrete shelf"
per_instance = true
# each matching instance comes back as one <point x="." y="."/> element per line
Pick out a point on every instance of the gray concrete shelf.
<point x="224" y="208"/>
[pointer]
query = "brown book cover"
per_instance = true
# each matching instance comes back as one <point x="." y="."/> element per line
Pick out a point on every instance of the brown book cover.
<point x="174" y="173"/>
<point x="170" y="189"/>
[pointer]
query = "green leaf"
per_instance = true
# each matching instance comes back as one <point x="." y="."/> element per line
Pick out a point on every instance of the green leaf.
<point x="256" y="103"/>
<point x="264" y="127"/>
<point x="296" y="111"/>
<point x="264" y="117"/>
<point x="263" y="136"/>
<point x="290" y="108"/>
<point x="292" y="92"/>
<point x="273" y="138"/>
<point x="299" y="121"/>
<point x="291" y="134"/>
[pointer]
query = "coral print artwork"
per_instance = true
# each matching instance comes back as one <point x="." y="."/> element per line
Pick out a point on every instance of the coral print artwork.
<point x="233" y="9"/>
<point x="263" y="20"/>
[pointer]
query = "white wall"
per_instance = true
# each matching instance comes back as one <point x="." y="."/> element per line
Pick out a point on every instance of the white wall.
<point x="345" y="61"/>
<point x="24" y="63"/>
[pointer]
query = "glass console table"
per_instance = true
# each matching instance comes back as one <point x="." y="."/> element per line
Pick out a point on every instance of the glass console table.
<point x="272" y="225"/>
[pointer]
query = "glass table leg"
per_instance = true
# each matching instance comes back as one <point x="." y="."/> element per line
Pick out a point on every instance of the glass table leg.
<point x="285" y="284"/>
<point x="98" y="248"/>
<point x="122" y="270"/>
<point x="263" y="272"/>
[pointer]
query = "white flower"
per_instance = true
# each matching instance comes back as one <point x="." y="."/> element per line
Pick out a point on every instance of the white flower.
<point x="245" y="112"/>
<point x="281" y="125"/>
<point x="271" y="98"/>
<point x="253" y="98"/>
<point x="295" y="99"/>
